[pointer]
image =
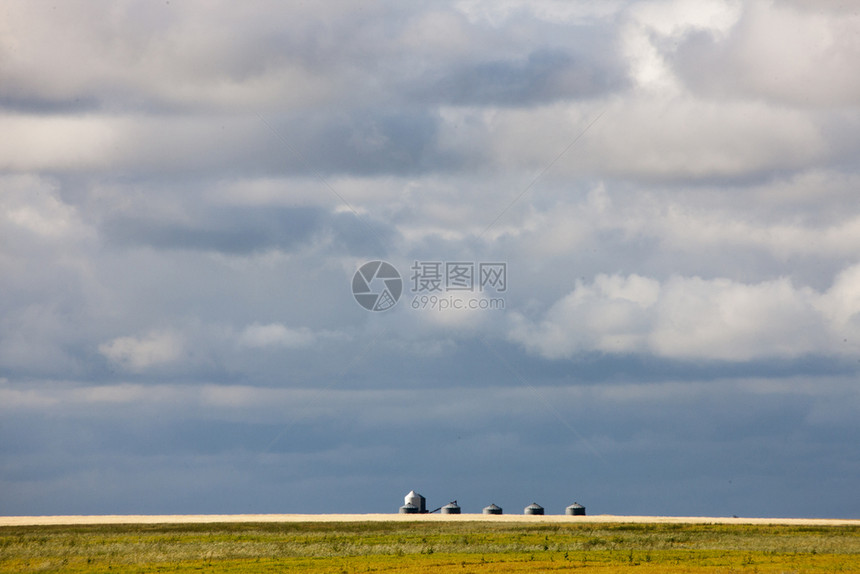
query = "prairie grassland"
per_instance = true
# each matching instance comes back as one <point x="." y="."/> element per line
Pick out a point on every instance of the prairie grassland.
<point x="420" y="546"/>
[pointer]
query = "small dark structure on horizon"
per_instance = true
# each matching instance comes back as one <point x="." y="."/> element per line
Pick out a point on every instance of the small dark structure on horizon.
<point x="492" y="509"/>
<point x="414" y="503"/>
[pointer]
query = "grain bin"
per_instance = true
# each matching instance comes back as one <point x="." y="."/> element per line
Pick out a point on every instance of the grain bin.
<point x="408" y="509"/>
<point x="416" y="500"/>
<point x="451" y="508"/>
<point x="575" y="509"/>
<point x="534" y="508"/>
<point x="492" y="509"/>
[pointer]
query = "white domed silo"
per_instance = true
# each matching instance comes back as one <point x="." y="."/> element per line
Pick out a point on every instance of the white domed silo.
<point x="415" y="500"/>
<point x="575" y="509"/>
<point x="492" y="509"/>
<point x="534" y="509"/>
<point x="451" y="508"/>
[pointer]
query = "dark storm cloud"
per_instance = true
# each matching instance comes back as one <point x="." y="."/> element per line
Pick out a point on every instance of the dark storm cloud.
<point x="362" y="235"/>
<point x="397" y="141"/>
<point x="234" y="231"/>
<point x="243" y="230"/>
<point x="544" y="76"/>
<point x="580" y="442"/>
<point x="364" y="142"/>
<point x="29" y="105"/>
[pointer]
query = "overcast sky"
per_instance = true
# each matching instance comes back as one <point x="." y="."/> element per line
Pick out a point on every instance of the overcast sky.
<point x="187" y="190"/>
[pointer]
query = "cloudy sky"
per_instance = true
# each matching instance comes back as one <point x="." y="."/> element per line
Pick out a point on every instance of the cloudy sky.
<point x="187" y="190"/>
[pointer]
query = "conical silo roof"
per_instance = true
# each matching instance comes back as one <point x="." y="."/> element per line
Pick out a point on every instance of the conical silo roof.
<point x="416" y="500"/>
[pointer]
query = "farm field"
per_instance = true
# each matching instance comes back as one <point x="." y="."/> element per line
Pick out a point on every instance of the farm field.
<point x="403" y="546"/>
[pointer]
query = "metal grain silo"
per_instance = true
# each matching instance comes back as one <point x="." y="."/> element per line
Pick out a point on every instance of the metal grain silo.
<point x="533" y="508"/>
<point x="575" y="509"/>
<point x="451" y="508"/>
<point x="416" y="500"/>
<point x="408" y="509"/>
<point x="492" y="509"/>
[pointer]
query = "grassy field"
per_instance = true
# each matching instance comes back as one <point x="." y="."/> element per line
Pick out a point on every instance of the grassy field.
<point x="455" y="546"/>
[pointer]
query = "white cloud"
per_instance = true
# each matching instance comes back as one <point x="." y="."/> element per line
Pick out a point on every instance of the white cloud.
<point x="684" y="138"/>
<point x="842" y="303"/>
<point x="499" y="12"/>
<point x="655" y="137"/>
<point x="275" y="335"/>
<point x="677" y="17"/>
<point x="613" y="314"/>
<point x="139" y="353"/>
<point x="165" y="55"/>
<point x="33" y="205"/>
<point x="80" y="143"/>
<point x="726" y="320"/>
<point x="695" y="318"/>
<point x="652" y="23"/>
<point x="55" y="142"/>
<point x="789" y="52"/>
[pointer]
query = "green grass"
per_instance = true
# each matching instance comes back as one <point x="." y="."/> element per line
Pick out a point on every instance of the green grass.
<point x="420" y="546"/>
